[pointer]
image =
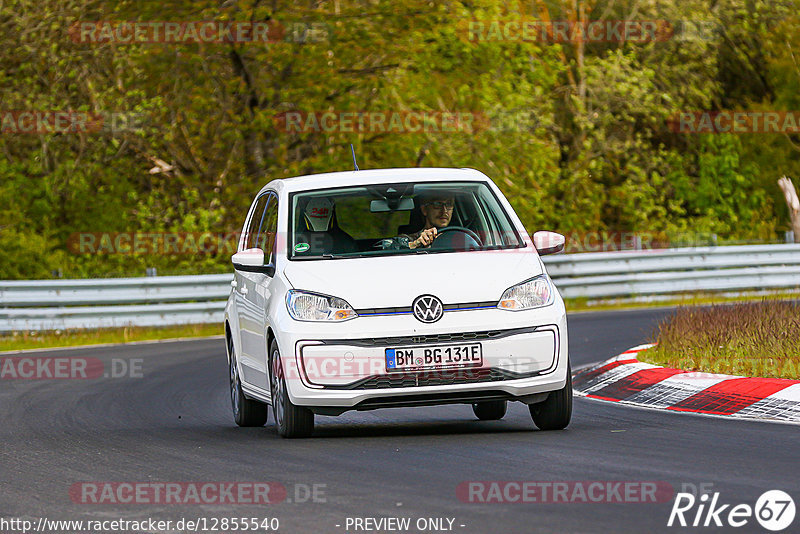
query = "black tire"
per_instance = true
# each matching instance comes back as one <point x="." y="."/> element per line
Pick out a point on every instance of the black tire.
<point x="555" y="412"/>
<point x="490" y="410"/>
<point x="246" y="412"/>
<point x="292" y="421"/>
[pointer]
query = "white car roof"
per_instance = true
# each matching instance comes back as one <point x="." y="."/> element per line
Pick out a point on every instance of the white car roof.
<point x="373" y="176"/>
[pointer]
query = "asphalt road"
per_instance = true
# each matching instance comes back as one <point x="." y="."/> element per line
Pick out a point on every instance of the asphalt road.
<point x="173" y="424"/>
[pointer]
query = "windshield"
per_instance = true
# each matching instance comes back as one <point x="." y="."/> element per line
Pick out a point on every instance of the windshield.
<point x="404" y="218"/>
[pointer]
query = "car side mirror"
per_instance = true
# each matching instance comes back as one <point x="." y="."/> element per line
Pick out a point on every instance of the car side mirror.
<point x="548" y="242"/>
<point x="252" y="260"/>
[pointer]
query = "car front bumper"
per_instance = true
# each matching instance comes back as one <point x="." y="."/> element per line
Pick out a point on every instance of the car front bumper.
<point x="341" y="366"/>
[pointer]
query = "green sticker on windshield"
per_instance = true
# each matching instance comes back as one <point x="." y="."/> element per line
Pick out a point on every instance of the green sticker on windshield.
<point x="301" y="247"/>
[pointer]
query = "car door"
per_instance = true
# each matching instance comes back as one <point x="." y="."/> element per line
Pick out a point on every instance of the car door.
<point x="255" y="296"/>
<point x="247" y="317"/>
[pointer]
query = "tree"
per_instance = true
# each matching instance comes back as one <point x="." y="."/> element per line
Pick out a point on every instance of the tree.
<point x="792" y="203"/>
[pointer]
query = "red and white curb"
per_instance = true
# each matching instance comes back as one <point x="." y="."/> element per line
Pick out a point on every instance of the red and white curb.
<point x="626" y="380"/>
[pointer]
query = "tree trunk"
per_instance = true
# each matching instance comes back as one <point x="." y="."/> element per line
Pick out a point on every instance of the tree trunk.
<point x="793" y="202"/>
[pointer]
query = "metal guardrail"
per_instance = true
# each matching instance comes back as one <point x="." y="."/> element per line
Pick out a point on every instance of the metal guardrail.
<point x="151" y="290"/>
<point x="169" y="300"/>
<point x="113" y="302"/>
<point x="670" y="271"/>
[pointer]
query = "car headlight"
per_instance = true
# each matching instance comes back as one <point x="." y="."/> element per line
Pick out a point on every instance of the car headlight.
<point x="533" y="293"/>
<point x="306" y="306"/>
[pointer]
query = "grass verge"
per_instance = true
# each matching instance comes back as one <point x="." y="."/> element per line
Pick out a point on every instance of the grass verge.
<point x="72" y="338"/>
<point x="758" y="339"/>
<point x="689" y="299"/>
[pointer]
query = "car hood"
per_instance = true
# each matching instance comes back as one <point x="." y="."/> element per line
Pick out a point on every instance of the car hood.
<point x="394" y="281"/>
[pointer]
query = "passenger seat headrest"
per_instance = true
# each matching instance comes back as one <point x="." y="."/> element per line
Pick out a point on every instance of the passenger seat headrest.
<point x="319" y="212"/>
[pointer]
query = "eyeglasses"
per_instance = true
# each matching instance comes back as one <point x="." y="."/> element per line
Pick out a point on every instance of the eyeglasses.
<point x="447" y="205"/>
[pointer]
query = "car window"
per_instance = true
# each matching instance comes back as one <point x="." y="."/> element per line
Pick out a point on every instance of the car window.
<point x="383" y="219"/>
<point x="501" y="230"/>
<point x="251" y="232"/>
<point x="269" y="230"/>
<point x="355" y="218"/>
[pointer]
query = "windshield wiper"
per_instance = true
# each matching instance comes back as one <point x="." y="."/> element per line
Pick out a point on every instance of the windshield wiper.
<point x="331" y="256"/>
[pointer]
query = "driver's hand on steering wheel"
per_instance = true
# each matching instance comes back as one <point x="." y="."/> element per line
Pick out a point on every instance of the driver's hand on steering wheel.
<point x="424" y="239"/>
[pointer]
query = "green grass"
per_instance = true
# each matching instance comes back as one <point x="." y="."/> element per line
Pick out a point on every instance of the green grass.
<point x="72" y="338"/>
<point x="759" y="339"/>
<point x="689" y="299"/>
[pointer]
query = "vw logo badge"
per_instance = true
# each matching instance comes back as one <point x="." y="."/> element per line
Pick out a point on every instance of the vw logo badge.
<point x="427" y="308"/>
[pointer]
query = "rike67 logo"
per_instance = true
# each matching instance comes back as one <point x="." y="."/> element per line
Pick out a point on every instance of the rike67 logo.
<point x="774" y="510"/>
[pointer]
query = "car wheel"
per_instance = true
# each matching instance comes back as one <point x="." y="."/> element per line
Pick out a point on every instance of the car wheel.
<point x="292" y="421"/>
<point x="490" y="410"/>
<point x="246" y="412"/>
<point x="555" y="412"/>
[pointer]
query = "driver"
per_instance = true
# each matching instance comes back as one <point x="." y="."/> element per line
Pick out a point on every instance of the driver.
<point x="437" y="209"/>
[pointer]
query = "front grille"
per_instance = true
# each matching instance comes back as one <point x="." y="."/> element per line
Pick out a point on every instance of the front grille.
<point x="434" y="338"/>
<point x="434" y="378"/>
<point x="400" y="310"/>
<point x="430" y="338"/>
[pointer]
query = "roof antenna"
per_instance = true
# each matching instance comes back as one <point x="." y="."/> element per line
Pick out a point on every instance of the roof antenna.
<point x="353" y="151"/>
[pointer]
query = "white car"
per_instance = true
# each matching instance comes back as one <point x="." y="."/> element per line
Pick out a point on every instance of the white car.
<point x="395" y="287"/>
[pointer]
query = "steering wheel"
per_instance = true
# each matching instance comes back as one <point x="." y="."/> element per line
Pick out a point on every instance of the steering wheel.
<point x="461" y="229"/>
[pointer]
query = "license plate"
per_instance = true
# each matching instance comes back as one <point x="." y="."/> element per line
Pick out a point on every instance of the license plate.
<point x="434" y="357"/>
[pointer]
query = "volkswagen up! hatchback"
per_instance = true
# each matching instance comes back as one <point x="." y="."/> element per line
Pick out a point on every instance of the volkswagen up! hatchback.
<point x="386" y="288"/>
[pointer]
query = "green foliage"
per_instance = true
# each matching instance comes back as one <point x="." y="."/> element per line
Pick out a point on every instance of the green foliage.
<point x="577" y="136"/>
